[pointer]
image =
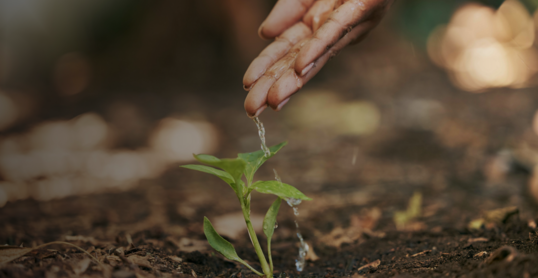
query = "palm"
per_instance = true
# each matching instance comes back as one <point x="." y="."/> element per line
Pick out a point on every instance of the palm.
<point x="307" y="33"/>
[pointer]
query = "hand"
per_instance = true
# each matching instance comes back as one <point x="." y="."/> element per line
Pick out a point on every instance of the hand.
<point x="308" y="33"/>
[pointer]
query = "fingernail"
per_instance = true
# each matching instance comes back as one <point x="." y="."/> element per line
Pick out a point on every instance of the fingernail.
<point x="258" y="112"/>
<point x="247" y="88"/>
<point x="260" y="31"/>
<point x="282" y="104"/>
<point x="307" y="69"/>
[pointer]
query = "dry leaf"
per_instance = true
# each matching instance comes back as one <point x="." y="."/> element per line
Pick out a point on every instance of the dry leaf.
<point x="113" y="260"/>
<point x="366" y="220"/>
<point x="478" y="239"/>
<point x="480" y="254"/>
<point x="421" y="253"/>
<point x="176" y="259"/>
<point x="310" y="253"/>
<point x="373" y="265"/>
<point x="81" y="266"/>
<point x="189" y="245"/>
<point x="505" y="253"/>
<point x="339" y="235"/>
<point x="10" y="253"/>
<point x="139" y="261"/>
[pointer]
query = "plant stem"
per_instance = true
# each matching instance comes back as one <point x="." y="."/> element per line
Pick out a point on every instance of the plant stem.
<point x="269" y="253"/>
<point x="254" y="239"/>
<point x="251" y="268"/>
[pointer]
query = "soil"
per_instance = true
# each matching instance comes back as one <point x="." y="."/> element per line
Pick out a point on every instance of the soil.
<point x="473" y="160"/>
<point x="155" y="230"/>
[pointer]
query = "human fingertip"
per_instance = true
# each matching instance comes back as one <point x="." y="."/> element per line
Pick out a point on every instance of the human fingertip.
<point x="307" y="69"/>
<point x="260" y="32"/>
<point x="258" y="112"/>
<point x="247" y="88"/>
<point x="279" y="107"/>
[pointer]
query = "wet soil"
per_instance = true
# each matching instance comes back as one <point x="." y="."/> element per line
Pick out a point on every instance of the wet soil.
<point x="155" y="230"/>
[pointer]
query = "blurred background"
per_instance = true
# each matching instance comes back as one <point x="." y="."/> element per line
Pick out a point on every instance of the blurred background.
<point x="106" y="96"/>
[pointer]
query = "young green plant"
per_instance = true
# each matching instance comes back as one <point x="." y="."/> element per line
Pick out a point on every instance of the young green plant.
<point x="232" y="171"/>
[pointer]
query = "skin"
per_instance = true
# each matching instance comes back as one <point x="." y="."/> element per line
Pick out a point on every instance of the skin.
<point x="306" y="33"/>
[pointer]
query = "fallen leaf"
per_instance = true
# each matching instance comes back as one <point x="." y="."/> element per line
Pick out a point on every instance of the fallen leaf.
<point x="113" y="260"/>
<point x="503" y="254"/>
<point x="189" y="245"/>
<point x="175" y="259"/>
<point x="310" y="254"/>
<point x="421" y="253"/>
<point x="372" y="266"/>
<point x="366" y="220"/>
<point x="477" y="239"/>
<point x="81" y="266"/>
<point x="480" y="254"/>
<point x="340" y="235"/>
<point x="10" y="253"/>
<point x="139" y="261"/>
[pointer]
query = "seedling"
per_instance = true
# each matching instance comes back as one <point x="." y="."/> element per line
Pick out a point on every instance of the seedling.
<point x="232" y="173"/>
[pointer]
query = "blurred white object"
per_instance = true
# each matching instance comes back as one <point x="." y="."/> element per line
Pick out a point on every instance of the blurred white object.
<point x="176" y="140"/>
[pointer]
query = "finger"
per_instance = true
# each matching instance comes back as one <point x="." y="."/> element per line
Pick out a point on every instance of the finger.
<point x="256" y="99"/>
<point x="318" y="14"/>
<point x="284" y="14"/>
<point x="341" y="21"/>
<point x="290" y="82"/>
<point x="274" y="52"/>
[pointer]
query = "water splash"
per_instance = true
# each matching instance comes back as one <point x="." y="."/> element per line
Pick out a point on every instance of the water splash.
<point x="303" y="249"/>
<point x="293" y="203"/>
<point x="261" y="132"/>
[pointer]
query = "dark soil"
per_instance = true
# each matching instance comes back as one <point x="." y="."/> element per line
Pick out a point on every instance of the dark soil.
<point x="145" y="233"/>
<point x="358" y="183"/>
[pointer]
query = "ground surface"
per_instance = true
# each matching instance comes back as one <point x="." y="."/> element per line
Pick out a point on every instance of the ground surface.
<point x="467" y="155"/>
<point x="155" y="230"/>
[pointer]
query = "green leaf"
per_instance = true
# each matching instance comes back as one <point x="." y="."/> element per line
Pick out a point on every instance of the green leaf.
<point x="223" y="246"/>
<point x="270" y="218"/>
<point x="234" y="167"/>
<point x="255" y="159"/>
<point x="218" y="243"/>
<point x="282" y="190"/>
<point x="210" y="170"/>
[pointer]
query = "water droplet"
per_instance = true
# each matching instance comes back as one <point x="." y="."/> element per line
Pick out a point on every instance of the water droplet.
<point x="292" y="202"/>
<point x="361" y="5"/>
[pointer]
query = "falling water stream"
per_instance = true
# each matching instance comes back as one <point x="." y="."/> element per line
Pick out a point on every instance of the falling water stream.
<point x="303" y="247"/>
<point x="292" y="202"/>
<point x="261" y="132"/>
